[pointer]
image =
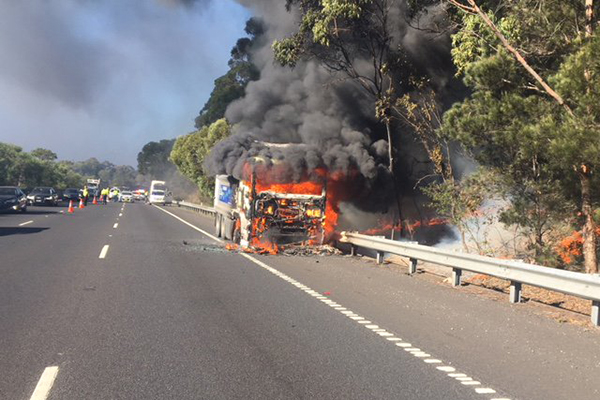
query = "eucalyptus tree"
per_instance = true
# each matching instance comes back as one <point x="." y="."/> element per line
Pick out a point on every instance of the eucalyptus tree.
<point x="533" y="110"/>
<point x="189" y="152"/>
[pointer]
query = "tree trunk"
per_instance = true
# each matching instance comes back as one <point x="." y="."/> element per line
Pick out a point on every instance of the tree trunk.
<point x="397" y="195"/>
<point x="589" y="227"/>
<point x="390" y="145"/>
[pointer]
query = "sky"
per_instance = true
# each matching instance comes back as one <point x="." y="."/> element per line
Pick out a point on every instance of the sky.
<point x="88" y="78"/>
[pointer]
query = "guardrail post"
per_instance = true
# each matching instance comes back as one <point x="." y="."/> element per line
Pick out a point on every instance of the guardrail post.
<point x="379" y="257"/>
<point x="596" y="312"/>
<point x="515" y="292"/>
<point x="456" y="274"/>
<point x="352" y="250"/>
<point x="412" y="268"/>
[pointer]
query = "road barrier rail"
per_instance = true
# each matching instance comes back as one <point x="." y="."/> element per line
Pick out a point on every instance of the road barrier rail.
<point x="518" y="273"/>
<point x="195" y="207"/>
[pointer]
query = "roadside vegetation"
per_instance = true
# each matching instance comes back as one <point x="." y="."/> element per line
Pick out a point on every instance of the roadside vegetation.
<point x="40" y="167"/>
<point x="525" y="111"/>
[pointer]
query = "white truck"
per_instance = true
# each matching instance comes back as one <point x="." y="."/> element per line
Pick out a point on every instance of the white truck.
<point x="93" y="186"/>
<point x="159" y="193"/>
<point x="252" y="214"/>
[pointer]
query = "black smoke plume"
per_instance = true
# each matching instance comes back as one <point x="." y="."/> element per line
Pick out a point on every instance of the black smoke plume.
<point x="320" y="119"/>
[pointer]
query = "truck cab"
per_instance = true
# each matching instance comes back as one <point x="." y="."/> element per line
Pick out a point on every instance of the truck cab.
<point x="254" y="215"/>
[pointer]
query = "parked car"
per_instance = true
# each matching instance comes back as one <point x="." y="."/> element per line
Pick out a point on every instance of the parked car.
<point x="12" y="198"/>
<point x="71" y="194"/>
<point x="43" y="196"/>
<point x="126" y="196"/>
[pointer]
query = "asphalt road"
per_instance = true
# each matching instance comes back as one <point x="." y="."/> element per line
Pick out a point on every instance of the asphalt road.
<point x="130" y="302"/>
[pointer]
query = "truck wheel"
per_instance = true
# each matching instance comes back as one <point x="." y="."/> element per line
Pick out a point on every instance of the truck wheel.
<point x="236" y="237"/>
<point x="223" y="234"/>
<point x="218" y="225"/>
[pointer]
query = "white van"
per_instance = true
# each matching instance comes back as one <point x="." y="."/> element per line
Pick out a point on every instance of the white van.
<point x="159" y="193"/>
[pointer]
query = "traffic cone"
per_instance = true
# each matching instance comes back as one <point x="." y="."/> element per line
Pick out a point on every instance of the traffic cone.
<point x="71" y="208"/>
<point x="95" y="201"/>
<point x="81" y="203"/>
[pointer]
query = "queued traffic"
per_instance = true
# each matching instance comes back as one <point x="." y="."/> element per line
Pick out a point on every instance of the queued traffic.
<point x="16" y="199"/>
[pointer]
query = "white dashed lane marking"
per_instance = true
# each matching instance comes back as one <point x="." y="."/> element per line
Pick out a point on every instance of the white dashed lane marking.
<point x="26" y="223"/>
<point x="42" y="389"/>
<point x="417" y="352"/>
<point x="116" y="225"/>
<point x="103" y="252"/>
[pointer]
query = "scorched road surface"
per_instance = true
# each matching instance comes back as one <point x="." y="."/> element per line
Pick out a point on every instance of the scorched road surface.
<point x="129" y="302"/>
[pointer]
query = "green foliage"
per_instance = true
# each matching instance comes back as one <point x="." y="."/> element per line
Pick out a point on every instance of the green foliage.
<point x="320" y="23"/>
<point x="10" y="156"/>
<point x="44" y="154"/>
<point x="228" y="88"/>
<point x="38" y="168"/>
<point x="153" y="160"/>
<point x="511" y="126"/>
<point x="190" y="151"/>
<point x="123" y="176"/>
<point x="577" y="140"/>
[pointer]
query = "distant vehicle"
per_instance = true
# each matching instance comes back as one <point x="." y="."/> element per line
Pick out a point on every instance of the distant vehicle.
<point x="43" y="196"/>
<point x="126" y="196"/>
<point x="93" y="186"/>
<point x="139" y="194"/>
<point x="71" y="194"/>
<point x="159" y="193"/>
<point x="113" y="192"/>
<point x="12" y="198"/>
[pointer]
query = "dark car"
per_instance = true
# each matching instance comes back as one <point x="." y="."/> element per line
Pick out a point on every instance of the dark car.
<point x="43" y="196"/>
<point x="12" y="198"/>
<point x="71" y="194"/>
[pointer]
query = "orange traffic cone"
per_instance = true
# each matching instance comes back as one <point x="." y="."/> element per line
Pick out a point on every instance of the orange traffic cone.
<point x="95" y="201"/>
<point x="71" y="208"/>
<point x="81" y="203"/>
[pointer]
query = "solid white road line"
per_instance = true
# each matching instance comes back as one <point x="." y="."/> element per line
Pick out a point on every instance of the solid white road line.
<point x="26" y="223"/>
<point x="462" y="378"/>
<point x="190" y="225"/>
<point x="116" y="225"/>
<point x="104" y="251"/>
<point x="42" y="390"/>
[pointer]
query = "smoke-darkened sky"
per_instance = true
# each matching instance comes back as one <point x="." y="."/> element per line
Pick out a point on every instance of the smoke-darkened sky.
<point x="89" y="78"/>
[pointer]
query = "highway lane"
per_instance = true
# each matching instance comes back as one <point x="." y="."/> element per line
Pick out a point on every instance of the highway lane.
<point x="505" y="345"/>
<point x="174" y="316"/>
<point x="44" y="268"/>
<point x="169" y="314"/>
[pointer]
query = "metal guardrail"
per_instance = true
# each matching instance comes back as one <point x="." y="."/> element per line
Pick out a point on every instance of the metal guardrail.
<point x="195" y="207"/>
<point x="518" y="273"/>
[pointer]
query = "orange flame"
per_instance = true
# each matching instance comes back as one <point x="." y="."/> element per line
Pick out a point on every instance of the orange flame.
<point x="307" y="187"/>
<point x="571" y="247"/>
<point x="388" y="227"/>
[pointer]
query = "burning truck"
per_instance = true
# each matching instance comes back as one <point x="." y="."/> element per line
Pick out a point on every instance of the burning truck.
<point x="258" y="214"/>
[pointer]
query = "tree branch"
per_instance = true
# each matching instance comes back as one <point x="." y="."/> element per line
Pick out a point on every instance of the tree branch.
<point x="516" y="53"/>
